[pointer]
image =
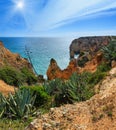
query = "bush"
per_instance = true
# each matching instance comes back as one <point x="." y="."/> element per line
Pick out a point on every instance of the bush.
<point x="82" y="61"/>
<point x="42" y="98"/>
<point x="80" y="82"/>
<point x="99" y="74"/>
<point x="75" y="89"/>
<point x="80" y="87"/>
<point x="109" y="51"/>
<point x="28" y="76"/>
<point x="60" y="91"/>
<point x="11" y="76"/>
<point x="104" y="67"/>
<point x="17" y="78"/>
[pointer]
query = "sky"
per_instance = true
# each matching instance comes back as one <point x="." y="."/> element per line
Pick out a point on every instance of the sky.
<point x="57" y="17"/>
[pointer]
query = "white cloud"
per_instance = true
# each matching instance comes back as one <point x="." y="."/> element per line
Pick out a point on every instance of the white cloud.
<point x="60" y="12"/>
<point x="63" y="11"/>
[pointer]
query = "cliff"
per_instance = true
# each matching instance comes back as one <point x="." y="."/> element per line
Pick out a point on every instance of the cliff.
<point x="89" y="45"/>
<point x="8" y="58"/>
<point x="98" y="113"/>
<point x="54" y="70"/>
<point x="89" y="54"/>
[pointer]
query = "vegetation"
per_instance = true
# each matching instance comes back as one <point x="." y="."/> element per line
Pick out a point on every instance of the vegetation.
<point x="109" y="51"/>
<point x="11" y="76"/>
<point x="79" y="87"/>
<point x="17" y="106"/>
<point x="17" y="78"/>
<point x="82" y="61"/>
<point x="8" y="124"/>
<point x="28" y="76"/>
<point x="26" y="101"/>
<point x="42" y="98"/>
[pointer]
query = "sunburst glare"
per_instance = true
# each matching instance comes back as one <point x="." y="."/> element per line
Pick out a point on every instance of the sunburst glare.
<point x="20" y="5"/>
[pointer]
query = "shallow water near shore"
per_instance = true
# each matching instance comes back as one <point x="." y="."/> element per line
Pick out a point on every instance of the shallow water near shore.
<point x="41" y="50"/>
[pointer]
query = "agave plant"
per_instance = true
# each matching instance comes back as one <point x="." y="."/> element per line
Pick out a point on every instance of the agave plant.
<point x="19" y="105"/>
<point x="60" y="91"/>
<point x="79" y="84"/>
<point x="3" y="102"/>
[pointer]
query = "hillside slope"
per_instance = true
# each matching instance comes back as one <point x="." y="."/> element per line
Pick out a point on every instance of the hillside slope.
<point x="98" y="113"/>
<point x="5" y="88"/>
<point x="7" y="58"/>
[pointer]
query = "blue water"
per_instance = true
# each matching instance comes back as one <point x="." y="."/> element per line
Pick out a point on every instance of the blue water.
<point x="41" y="50"/>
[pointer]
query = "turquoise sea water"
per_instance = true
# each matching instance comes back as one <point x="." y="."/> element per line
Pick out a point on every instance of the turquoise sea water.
<point x="41" y="50"/>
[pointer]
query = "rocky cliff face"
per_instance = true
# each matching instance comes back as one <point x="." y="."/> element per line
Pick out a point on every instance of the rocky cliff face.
<point x="90" y="56"/>
<point x="8" y="58"/>
<point x="98" y="113"/>
<point x="54" y="70"/>
<point x="89" y="45"/>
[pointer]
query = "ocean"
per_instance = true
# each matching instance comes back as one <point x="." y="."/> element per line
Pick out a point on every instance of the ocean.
<point x="41" y="50"/>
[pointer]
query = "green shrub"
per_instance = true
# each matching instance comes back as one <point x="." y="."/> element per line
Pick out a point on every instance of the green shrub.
<point x="109" y="51"/>
<point x="11" y="76"/>
<point x="60" y="91"/>
<point x="99" y="74"/>
<point x="104" y="67"/>
<point x="28" y="76"/>
<point x="81" y="62"/>
<point x="80" y="82"/>
<point x="17" y="78"/>
<point x="75" y="89"/>
<point x="42" y="98"/>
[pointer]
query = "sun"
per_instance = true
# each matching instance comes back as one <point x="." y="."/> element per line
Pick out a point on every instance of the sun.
<point x="20" y="5"/>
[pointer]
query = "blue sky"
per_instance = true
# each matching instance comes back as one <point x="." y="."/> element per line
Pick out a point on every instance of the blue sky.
<point x="57" y="17"/>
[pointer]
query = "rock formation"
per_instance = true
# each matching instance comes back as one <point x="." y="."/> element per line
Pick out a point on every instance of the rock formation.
<point x="54" y="70"/>
<point x="98" y="113"/>
<point x="8" y="58"/>
<point x="89" y="45"/>
<point x="90" y="56"/>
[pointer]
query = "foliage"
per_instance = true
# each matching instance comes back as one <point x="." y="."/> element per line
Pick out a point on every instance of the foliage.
<point x="99" y="74"/>
<point x="8" y="124"/>
<point x="19" y="105"/>
<point x="11" y="76"/>
<point x="80" y="82"/>
<point x="75" y="89"/>
<point x="60" y="92"/>
<point x="17" y="78"/>
<point x="79" y="87"/>
<point x="104" y="67"/>
<point x="109" y="51"/>
<point x="82" y="61"/>
<point x="42" y="98"/>
<point x="28" y="76"/>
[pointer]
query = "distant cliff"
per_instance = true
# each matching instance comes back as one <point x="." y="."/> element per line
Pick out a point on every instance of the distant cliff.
<point x="88" y="44"/>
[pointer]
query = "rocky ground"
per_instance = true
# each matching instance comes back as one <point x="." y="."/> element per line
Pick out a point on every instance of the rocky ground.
<point x="98" y="113"/>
